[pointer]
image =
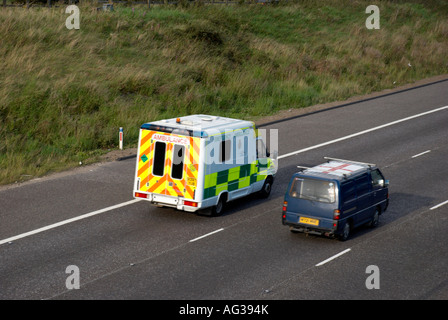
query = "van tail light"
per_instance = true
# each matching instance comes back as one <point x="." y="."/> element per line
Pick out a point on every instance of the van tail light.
<point x="336" y="214"/>
<point x="190" y="203"/>
<point x="285" y="205"/>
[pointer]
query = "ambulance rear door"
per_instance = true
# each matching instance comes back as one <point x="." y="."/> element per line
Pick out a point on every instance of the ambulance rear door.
<point x="169" y="165"/>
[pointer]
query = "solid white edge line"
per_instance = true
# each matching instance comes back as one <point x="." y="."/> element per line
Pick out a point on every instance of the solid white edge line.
<point x="361" y="132"/>
<point x="206" y="235"/>
<point x="333" y="257"/>
<point x="439" y="205"/>
<point x="420" y="154"/>
<point x="61" y="223"/>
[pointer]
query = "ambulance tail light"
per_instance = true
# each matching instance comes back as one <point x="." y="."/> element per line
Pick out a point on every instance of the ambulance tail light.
<point x="141" y="195"/>
<point x="190" y="203"/>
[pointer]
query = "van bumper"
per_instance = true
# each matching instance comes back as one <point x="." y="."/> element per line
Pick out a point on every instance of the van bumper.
<point x="299" y="227"/>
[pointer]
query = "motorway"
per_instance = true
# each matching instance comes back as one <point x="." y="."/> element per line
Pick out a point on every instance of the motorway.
<point x="132" y="250"/>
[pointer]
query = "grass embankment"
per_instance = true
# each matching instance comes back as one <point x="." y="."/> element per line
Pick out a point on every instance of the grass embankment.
<point x="64" y="93"/>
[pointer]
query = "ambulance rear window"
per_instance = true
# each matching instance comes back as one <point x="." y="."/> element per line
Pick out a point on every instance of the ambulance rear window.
<point x="159" y="159"/>
<point x="177" y="168"/>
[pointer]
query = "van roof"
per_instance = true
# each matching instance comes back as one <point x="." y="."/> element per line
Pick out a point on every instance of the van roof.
<point x="197" y="125"/>
<point x="336" y="169"/>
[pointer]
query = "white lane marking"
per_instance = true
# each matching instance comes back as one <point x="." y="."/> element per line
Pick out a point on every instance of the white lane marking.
<point x="58" y="224"/>
<point x="439" y="205"/>
<point x="206" y="235"/>
<point x="362" y="132"/>
<point x="333" y="257"/>
<point x="280" y="157"/>
<point x="420" y="154"/>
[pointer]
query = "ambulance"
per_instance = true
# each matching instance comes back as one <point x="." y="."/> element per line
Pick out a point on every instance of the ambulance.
<point x="198" y="163"/>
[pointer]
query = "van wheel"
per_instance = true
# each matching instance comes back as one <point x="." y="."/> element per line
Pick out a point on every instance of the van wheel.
<point x="375" y="219"/>
<point x="346" y="232"/>
<point x="218" y="209"/>
<point x="267" y="187"/>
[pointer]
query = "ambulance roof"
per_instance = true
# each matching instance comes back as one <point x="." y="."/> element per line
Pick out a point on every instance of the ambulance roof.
<point x="197" y="125"/>
<point x="334" y="169"/>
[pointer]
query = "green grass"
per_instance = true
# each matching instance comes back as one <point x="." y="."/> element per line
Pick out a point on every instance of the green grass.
<point x="64" y="93"/>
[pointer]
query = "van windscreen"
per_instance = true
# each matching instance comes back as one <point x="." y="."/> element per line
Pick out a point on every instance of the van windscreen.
<point x="312" y="189"/>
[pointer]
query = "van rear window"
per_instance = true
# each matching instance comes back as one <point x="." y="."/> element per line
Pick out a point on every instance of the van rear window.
<point x="312" y="189"/>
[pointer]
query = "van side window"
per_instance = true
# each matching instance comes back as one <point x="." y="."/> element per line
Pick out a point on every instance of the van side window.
<point x="177" y="167"/>
<point x="377" y="179"/>
<point x="348" y="191"/>
<point x="362" y="185"/>
<point x="224" y="151"/>
<point x="159" y="159"/>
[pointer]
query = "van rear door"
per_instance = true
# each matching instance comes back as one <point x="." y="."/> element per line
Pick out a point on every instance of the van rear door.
<point x="312" y="202"/>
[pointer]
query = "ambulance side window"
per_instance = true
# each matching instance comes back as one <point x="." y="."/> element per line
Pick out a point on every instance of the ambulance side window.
<point x="224" y="151"/>
<point x="261" y="149"/>
<point x="235" y="158"/>
<point x="246" y="150"/>
<point x="159" y="159"/>
<point x="177" y="167"/>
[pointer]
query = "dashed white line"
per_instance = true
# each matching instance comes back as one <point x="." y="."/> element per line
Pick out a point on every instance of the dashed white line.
<point x="206" y="235"/>
<point x="420" y="154"/>
<point x="333" y="257"/>
<point x="439" y="205"/>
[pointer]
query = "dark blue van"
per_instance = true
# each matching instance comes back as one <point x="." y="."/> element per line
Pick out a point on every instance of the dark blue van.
<point x="335" y="197"/>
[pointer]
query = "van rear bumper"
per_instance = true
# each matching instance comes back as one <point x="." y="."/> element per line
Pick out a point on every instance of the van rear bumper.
<point x="299" y="227"/>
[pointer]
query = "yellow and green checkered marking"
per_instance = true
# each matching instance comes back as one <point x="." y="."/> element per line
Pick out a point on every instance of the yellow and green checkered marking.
<point x="234" y="178"/>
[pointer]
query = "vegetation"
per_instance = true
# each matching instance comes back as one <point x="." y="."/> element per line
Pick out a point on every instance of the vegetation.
<point x="64" y="93"/>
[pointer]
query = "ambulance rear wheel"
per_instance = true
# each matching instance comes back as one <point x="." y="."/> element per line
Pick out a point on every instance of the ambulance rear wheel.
<point x="267" y="186"/>
<point x="218" y="209"/>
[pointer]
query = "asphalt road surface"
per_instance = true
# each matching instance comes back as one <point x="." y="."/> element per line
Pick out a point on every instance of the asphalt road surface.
<point x="128" y="249"/>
